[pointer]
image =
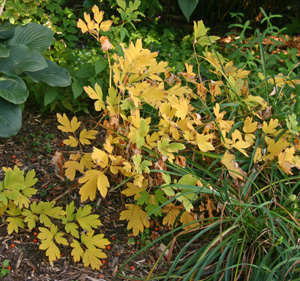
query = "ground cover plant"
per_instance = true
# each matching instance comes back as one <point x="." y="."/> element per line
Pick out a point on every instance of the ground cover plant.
<point x="213" y="158"/>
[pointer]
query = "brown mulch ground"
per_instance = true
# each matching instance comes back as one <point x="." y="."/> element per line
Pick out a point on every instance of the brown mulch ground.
<point x="33" y="148"/>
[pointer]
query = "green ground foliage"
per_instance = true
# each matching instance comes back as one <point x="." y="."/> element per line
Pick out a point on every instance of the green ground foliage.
<point x="201" y="135"/>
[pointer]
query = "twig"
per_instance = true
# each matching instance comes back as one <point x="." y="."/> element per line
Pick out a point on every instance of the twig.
<point x="2" y="7"/>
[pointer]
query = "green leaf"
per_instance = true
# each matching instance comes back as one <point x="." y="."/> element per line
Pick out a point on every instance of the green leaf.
<point x="77" y="89"/>
<point x="188" y="7"/>
<point x="143" y="199"/>
<point x="10" y="119"/>
<point x="52" y="75"/>
<point x="33" y="35"/>
<point x="86" y="220"/>
<point x="100" y="65"/>
<point x="14" y="224"/>
<point x="13" y="89"/>
<point x="121" y="4"/>
<point x="30" y="218"/>
<point x="21" y="59"/>
<point x="4" y="51"/>
<point x="153" y="209"/>
<point x="50" y="96"/>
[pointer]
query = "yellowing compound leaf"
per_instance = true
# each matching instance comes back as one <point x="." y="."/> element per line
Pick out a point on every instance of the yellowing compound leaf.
<point x="186" y="218"/>
<point x="232" y="166"/>
<point x="172" y="214"/>
<point x="100" y="157"/>
<point x="30" y="218"/>
<point x="134" y="190"/>
<point x="93" y="252"/>
<point x="67" y="126"/>
<point x="52" y="251"/>
<point x="86" y="220"/>
<point x="249" y="126"/>
<point x="203" y="142"/>
<point x="14" y="224"/>
<point x="81" y="24"/>
<point x="85" y="136"/>
<point x="136" y="217"/>
<point x="77" y="251"/>
<point x="96" y="95"/>
<point x="47" y="236"/>
<point x="138" y="133"/>
<point x="93" y="180"/>
<point x="286" y="160"/>
<point x="71" y="168"/>
<point x="271" y="127"/>
<point x="71" y="141"/>
<point x="241" y="146"/>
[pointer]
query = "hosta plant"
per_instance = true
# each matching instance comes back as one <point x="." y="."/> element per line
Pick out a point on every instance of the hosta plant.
<point x="21" y="55"/>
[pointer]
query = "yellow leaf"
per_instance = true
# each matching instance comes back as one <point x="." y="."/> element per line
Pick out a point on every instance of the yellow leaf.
<point x="93" y="252"/>
<point x="249" y="126"/>
<point x="134" y="190"/>
<point x="93" y="180"/>
<point x="271" y="127"/>
<point x="241" y="145"/>
<point x="91" y="257"/>
<point x="52" y="252"/>
<point x="71" y="141"/>
<point x="85" y="136"/>
<point x="172" y="214"/>
<point x="105" y="25"/>
<point x="232" y="166"/>
<point x="96" y="95"/>
<point x="85" y="219"/>
<point x="98" y="15"/>
<point x="286" y="160"/>
<point x="107" y="145"/>
<point x="77" y="251"/>
<point x="71" y="168"/>
<point x="100" y="157"/>
<point x="14" y="224"/>
<point x="151" y="140"/>
<point x="203" y="143"/>
<point x="136" y="217"/>
<point x="89" y="21"/>
<point x="186" y="218"/>
<point x="87" y="161"/>
<point x="81" y="24"/>
<point x="67" y="126"/>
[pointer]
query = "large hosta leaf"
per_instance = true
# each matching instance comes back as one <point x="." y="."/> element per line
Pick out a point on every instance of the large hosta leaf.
<point x="4" y="51"/>
<point x="7" y="30"/>
<point x="33" y="35"/>
<point x="21" y="59"/>
<point x="13" y="89"/>
<point x="10" y="119"/>
<point x="53" y="75"/>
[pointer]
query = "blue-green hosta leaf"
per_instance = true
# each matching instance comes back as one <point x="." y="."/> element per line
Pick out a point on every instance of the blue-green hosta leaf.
<point x="33" y="35"/>
<point x="52" y="75"/>
<point x="10" y="119"/>
<point x="13" y="89"/>
<point x="4" y="51"/>
<point x="7" y="30"/>
<point x="22" y="58"/>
